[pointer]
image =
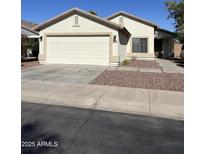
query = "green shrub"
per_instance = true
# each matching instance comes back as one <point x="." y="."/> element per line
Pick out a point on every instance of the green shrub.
<point x="125" y="62"/>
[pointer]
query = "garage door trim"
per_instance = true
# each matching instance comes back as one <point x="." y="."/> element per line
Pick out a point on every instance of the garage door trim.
<point x="77" y="34"/>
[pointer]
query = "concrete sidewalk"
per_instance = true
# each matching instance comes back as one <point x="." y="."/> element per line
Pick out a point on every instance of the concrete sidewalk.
<point x="168" y="66"/>
<point x="168" y="104"/>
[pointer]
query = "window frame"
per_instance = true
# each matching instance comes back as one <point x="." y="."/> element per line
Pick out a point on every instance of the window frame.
<point x="141" y="46"/>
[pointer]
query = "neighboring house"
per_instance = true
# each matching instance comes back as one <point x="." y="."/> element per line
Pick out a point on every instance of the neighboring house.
<point x="78" y="37"/>
<point x="27" y="28"/>
<point x="164" y="42"/>
<point x="32" y="37"/>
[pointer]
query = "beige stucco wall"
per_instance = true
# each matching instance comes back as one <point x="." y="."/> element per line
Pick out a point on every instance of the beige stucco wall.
<point x="138" y="29"/>
<point x="85" y="26"/>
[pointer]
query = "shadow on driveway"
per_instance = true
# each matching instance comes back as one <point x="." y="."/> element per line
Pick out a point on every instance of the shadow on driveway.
<point x="98" y="132"/>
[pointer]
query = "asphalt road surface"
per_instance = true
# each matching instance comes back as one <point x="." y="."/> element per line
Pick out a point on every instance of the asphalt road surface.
<point x="48" y="129"/>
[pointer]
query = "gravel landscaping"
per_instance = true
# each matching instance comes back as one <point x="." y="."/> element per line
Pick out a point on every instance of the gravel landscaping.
<point x="29" y="64"/>
<point x="148" y="80"/>
<point x="143" y="64"/>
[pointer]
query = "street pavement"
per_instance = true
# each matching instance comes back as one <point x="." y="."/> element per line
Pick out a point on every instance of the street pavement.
<point x="84" y="131"/>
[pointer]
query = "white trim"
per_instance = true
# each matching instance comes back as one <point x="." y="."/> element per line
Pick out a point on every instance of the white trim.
<point x="34" y="36"/>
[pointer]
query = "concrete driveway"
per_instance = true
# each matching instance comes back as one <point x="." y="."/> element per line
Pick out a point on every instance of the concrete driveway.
<point x="81" y="74"/>
<point x="67" y="85"/>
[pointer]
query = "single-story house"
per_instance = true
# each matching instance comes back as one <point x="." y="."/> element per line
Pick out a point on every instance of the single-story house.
<point x="79" y="37"/>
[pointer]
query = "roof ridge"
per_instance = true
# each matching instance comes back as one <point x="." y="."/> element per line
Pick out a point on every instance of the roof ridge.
<point x="46" y="21"/>
<point x="101" y="18"/>
<point x="133" y="16"/>
<point x="80" y="11"/>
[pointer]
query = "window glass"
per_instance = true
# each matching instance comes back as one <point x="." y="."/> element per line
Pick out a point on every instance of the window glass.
<point x="139" y="45"/>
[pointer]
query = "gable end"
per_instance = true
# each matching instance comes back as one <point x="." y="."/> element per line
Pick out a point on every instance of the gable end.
<point x="135" y="18"/>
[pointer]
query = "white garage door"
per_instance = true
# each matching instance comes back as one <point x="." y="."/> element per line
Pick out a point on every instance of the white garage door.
<point x="92" y="50"/>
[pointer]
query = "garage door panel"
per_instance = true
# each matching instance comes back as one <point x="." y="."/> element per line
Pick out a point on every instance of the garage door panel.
<point x="78" y="50"/>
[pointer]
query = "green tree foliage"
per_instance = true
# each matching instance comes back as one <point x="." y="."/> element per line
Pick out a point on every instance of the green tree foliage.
<point x="176" y="12"/>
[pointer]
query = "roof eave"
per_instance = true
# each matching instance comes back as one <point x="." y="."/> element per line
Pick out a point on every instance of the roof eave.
<point x="132" y="17"/>
<point x="35" y="32"/>
<point x="164" y="30"/>
<point x="50" y="21"/>
<point x="73" y="11"/>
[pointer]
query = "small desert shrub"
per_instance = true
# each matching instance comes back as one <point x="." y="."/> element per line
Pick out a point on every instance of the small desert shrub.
<point x="125" y="62"/>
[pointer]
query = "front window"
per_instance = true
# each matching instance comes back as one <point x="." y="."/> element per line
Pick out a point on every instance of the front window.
<point x="139" y="45"/>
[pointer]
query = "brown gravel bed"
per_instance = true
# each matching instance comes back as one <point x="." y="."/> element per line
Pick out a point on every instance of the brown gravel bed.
<point x="143" y="64"/>
<point x="148" y="80"/>
<point x="29" y="64"/>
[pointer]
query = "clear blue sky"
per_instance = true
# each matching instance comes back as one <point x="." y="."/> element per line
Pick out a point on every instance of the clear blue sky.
<point x="154" y="10"/>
